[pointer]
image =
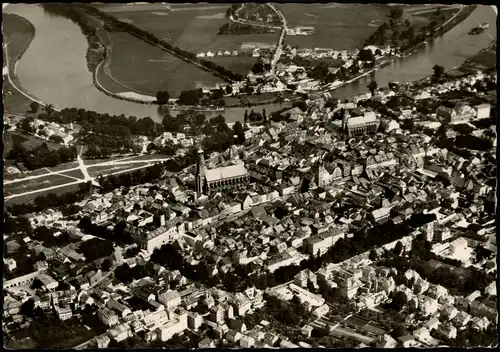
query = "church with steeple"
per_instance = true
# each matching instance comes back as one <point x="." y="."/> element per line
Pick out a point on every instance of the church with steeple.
<point x="207" y="180"/>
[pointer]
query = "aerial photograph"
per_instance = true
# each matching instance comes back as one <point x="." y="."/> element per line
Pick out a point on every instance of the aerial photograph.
<point x="249" y="175"/>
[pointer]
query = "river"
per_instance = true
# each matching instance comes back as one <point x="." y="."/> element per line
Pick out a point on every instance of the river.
<point x="54" y="67"/>
<point x="449" y="51"/>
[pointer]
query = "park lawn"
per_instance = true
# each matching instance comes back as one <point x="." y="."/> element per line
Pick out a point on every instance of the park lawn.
<point x="43" y="171"/>
<point x="148" y="69"/>
<point x="35" y="184"/>
<point x="338" y="26"/>
<point x="90" y="162"/>
<point x="29" y="198"/>
<point x="96" y="171"/>
<point x="65" y="166"/>
<point x="73" y="173"/>
<point x="147" y="157"/>
<point x="37" y="172"/>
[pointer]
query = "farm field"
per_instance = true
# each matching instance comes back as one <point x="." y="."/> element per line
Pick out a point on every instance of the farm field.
<point x="18" y="33"/>
<point x="148" y="69"/>
<point x="238" y="64"/>
<point x="338" y="26"/>
<point x="193" y="28"/>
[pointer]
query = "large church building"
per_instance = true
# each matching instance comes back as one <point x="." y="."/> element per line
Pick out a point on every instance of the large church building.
<point x="219" y="178"/>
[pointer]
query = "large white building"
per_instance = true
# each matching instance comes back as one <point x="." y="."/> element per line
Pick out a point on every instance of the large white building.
<point x="360" y="125"/>
<point x="322" y="242"/>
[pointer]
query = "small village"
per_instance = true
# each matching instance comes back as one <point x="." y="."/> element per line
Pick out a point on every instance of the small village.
<point x="367" y="222"/>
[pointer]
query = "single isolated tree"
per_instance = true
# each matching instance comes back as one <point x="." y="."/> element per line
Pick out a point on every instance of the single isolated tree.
<point x="49" y="109"/>
<point x="162" y="97"/>
<point x="438" y="72"/>
<point x="34" y="106"/>
<point x="372" y="86"/>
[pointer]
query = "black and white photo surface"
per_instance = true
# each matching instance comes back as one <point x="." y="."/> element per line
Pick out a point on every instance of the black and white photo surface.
<point x="249" y="175"/>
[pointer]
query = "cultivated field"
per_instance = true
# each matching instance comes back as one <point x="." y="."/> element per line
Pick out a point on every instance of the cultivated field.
<point x="338" y="26"/>
<point x="238" y="64"/>
<point x="148" y="69"/>
<point x="139" y="67"/>
<point x="193" y="28"/>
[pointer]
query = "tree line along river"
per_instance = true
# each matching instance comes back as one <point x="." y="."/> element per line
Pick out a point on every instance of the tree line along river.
<point x="54" y="67"/>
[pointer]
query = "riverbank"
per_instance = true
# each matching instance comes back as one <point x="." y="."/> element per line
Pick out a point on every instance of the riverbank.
<point x="459" y="17"/>
<point x="18" y="34"/>
<point x="447" y="26"/>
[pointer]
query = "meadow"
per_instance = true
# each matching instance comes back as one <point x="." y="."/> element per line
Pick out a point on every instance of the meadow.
<point x="338" y="26"/>
<point x="18" y="33"/>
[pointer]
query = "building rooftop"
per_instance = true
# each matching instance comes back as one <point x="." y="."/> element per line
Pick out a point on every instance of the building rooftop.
<point x="360" y="120"/>
<point x="226" y="172"/>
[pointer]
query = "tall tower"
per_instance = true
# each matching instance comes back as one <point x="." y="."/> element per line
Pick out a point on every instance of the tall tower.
<point x="344" y="116"/>
<point x="200" y="173"/>
<point x="320" y="174"/>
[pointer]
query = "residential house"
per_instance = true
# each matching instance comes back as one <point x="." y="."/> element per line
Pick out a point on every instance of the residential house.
<point x="107" y="316"/>
<point x="170" y="299"/>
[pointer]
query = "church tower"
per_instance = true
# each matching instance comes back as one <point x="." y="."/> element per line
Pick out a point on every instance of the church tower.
<point x="200" y="174"/>
<point x="320" y="174"/>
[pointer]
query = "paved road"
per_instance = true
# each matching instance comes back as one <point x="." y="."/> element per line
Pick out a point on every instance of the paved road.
<point x="279" y="49"/>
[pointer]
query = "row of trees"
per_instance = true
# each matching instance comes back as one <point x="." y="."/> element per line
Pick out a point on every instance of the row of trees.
<point x="41" y="156"/>
<point x="255" y="116"/>
<point x="128" y="179"/>
<point x="96" y="248"/>
<point x="116" y="125"/>
<point x="197" y="97"/>
<point x="118" y="235"/>
<point x="151" y="38"/>
<point x="240" y="28"/>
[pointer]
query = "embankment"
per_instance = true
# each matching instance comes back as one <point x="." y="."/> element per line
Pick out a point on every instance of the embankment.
<point x="19" y="32"/>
